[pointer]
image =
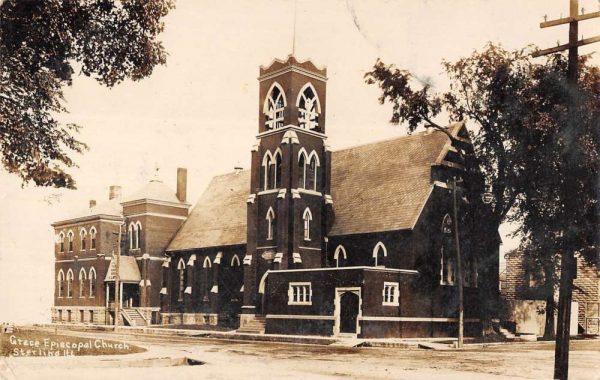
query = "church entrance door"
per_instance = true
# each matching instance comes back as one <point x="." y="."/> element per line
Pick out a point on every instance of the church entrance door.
<point x="348" y="311"/>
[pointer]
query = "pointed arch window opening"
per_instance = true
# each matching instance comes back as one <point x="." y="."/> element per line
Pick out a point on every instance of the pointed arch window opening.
<point x="308" y="165"/>
<point x="82" y="279"/>
<point x="82" y="239"/>
<point x="181" y="270"/>
<point x="70" y="284"/>
<point x="70" y="236"/>
<point x="308" y="109"/>
<point x="61" y="241"/>
<point x="270" y="225"/>
<point x="61" y="283"/>
<point x="275" y="109"/>
<point x="340" y="251"/>
<point x="92" y="238"/>
<point x="379" y="254"/>
<point x="447" y="259"/>
<point x="307" y="217"/>
<point x="92" y="279"/>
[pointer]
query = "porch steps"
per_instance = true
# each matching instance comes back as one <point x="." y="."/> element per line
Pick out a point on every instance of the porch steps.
<point x="506" y="334"/>
<point x="255" y="326"/>
<point x="134" y="317"/>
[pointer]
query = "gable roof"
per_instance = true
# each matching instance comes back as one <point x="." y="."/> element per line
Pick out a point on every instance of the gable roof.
<point x="219" y="217"/>
<point x="381" y="186"/>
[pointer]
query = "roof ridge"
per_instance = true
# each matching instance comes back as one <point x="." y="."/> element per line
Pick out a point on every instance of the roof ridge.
<point x="389" y="139"/>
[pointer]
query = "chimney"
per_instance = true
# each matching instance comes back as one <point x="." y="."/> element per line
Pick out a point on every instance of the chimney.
<point x="114" y="192"/>
<point x="181" y="184"/>
<point x="92" y="203"/>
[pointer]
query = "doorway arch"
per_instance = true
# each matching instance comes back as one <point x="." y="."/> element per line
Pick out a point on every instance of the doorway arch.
<point x="348" y="311"/>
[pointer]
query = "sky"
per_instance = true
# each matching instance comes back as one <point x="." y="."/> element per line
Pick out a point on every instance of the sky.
<point x="200" y="110"/>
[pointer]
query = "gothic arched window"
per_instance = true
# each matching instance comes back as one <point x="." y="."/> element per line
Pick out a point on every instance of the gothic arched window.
<point x="307" y="217"/>
<point x="277" y="160"/>
<point x="69" y="283"/>
<point x="93" y="238"/>
<point x="61" y="282"/>
<point x="138" y="235"/>
<point x="181" y="269"/>
<point x="340" y="256"/>
<point x="379" y="253"/>
<point x="82" y="237"/>
<point x="82" y="278"/>
<point x="307" y="178"/>
<point x="308" y="107"/>
<point x="92" y="279"/>
<point x="61" y="241"/>
<point x="268" y="164"/>
<point x="270" y="218"/>
<point x="446" y="259"/>
<point x="274" y="107"/>
<point x="70" y="236"/>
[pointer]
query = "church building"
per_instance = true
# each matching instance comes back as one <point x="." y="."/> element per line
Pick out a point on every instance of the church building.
<point x="357" y="242"/>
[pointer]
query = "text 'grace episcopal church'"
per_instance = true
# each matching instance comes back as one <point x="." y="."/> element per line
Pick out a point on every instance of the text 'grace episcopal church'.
<point x="308" y="241"/>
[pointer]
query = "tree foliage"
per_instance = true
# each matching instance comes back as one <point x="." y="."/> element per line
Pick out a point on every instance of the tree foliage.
<point x="538" y="155"/>
<point x="40" y="43"/>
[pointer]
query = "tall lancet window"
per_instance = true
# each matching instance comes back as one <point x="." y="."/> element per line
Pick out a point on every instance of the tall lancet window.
<point x="274" y="107"/>
<point x="308" y="107"/>
<point x="307" y="217"/>
<point x="277" y="169"/>
<point x="270" y="218"/>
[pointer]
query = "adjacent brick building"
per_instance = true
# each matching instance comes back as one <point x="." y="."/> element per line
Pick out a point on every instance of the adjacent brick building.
<point x="525" y="281"/>
<point x="358" y="241"/>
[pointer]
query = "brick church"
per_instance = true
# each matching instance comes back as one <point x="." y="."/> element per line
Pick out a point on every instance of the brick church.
<point x="356" y="242"/>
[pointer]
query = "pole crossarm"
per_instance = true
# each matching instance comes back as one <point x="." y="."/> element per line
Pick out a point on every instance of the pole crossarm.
<point x="585" y="41"/>
<point x="567" y="20"/>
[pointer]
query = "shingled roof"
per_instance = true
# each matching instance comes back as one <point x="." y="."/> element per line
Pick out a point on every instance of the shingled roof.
<point x="219" y="217"/>
<point x="381" y="186"/>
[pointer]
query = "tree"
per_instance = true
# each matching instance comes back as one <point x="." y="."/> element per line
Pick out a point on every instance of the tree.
<point x="40" y="43"/>
<point x="521" y="138"/>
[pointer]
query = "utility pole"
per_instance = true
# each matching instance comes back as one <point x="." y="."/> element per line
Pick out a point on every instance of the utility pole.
<point x="459" y="273"/>
<point x="118" y="280"/>
<point x="568" y="262"/>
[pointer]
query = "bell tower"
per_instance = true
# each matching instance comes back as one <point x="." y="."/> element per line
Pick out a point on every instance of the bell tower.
<point x="290" y="180"/>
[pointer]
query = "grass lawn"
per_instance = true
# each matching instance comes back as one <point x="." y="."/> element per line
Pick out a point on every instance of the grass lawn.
<point x="23" y="342"/>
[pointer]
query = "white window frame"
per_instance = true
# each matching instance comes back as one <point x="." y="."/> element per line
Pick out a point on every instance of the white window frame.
<point x="336" y="255"/>
<point x="138" y="240"/>
<point x="82" y="236"/>
<point x="306" y="116"/>
<point x="391" y="294"/>
<point x="61" y="242"/>
<point x="60" y="278"/>
<point x="300" y="293"/>
<point x="378" y="246"/>
<point x="70" y="245"/>
<point x="274" y="114"/>
<point x="92" y="277"/>
<point x="270" y="218"/>
<point x="82" y="279"/>
<point x="307" y="217"/>
<point x="70" y="283"/>
<point x="92" y="238"/>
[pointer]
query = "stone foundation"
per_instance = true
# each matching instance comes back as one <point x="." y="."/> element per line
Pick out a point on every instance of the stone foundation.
<point x="189" y="319"/>
<point x="83" y="315"/>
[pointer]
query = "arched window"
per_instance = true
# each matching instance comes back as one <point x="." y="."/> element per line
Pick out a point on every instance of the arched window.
<point x="61" y="283"/>
<point x="379" y="252"/>
<point x="235" y="261"/>
<point x="277" y="181"/>
<point x="307" y="178"/>
<point x="308" y="107"/>
<point x="274" y="107"/>
<point x="340" y="256"/>
<point x="268" y="164"/>
<point x="82" y="237"/>
<point x="93" y="238"/>
<point x="207" y="278"/>
<point x="138" y="235"/>
<point x="270" y="218"/>
<point x="307" y="217"/>
<point x="130" y="234"/>
<point x="92" y="279"/>
<point x="302" y="158"/>
<point x="70" y="236"/>
<point x="82" y="278"/>
<point x="447" y="267"/>
<point x="61" y="241"/>
<point x="181" y="269"/>
<point x="311" y="172"/>
<point x="69" y="283"/>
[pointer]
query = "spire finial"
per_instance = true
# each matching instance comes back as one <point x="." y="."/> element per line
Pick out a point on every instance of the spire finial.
<point x="294" y="33"/>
